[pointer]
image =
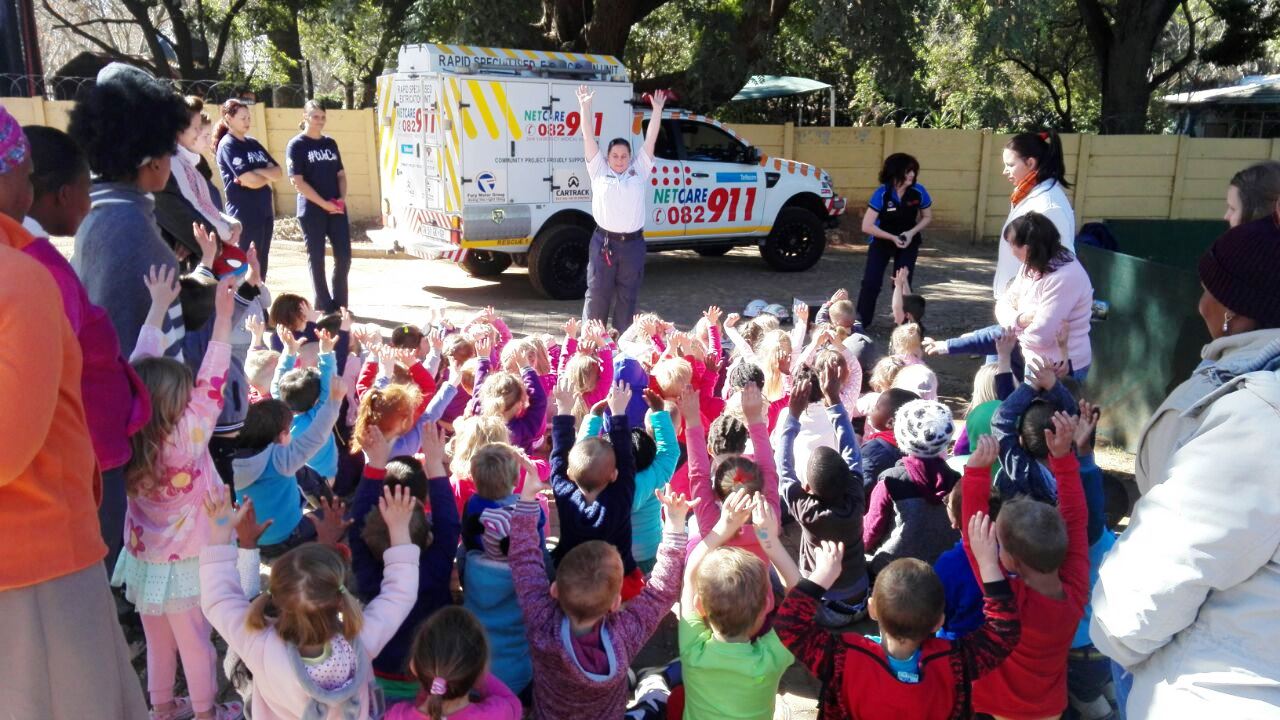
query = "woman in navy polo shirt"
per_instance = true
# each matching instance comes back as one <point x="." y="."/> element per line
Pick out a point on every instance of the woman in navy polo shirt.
<point x="898" y="211"/>
<point x="247" y="173"/>
<point x="315" y="169"/>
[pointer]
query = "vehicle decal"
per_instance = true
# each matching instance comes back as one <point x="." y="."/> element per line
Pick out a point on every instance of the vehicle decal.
<point x="513" y="125"/>
<point x="453" y="191"/>
<point x="466" y="58"/>
<point x="736" y="177"/>
<point x="734" y="231"/>
<point x="481" y="104"/>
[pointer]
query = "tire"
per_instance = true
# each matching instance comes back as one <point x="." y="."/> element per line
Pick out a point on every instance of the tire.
<point x="558" y="262"/>
<point x="796" y="241"/>
<point x="484" y="263"/>
<point x="713" y="250"/>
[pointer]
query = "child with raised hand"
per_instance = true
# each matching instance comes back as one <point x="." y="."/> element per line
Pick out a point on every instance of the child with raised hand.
<point x="450" y="659"/>
<point x="166" y="479"/>
<point x="1020" y="425"/>
<point x="905" y="672"/>
<point x="581" y="637"/>
<point x="594" y="482"/>
<point x="302" y="389"/>
<point x="710" y="486"/>
<point x="1046" y="552"/>
<point x="269" y="459"/>
<point x="906" y="517"/>
<point x="657" y="452"/>
<point x="829" y="503"/>
<point x="307" y="641"/>
<point x="439" y="547"/>
<point x="519" y="399"/>
<point x="729" y="668"/>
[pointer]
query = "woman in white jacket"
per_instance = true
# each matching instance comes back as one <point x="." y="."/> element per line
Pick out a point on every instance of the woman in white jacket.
<point x="1034" y="163"/>
<point x="1188" y="601"/>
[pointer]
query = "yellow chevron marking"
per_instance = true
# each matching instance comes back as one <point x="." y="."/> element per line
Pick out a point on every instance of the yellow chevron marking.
<point x="468" y="126"/>
<point x="509" y="53"/>
<point x="532" y="55"/>
<point x="513" y="125"/>
<point x="482" y="104"/>
<point x="489" y="52"/>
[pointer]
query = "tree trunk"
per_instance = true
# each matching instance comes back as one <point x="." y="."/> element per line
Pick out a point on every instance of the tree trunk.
<point x="1124" y="36"/>
<point x="1126" y="91"/>
<point x="286" y="39"/>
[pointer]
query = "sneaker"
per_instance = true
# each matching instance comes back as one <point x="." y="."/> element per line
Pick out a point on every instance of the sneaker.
<point x="181" y="710"/>
<point x="228" y="711"/>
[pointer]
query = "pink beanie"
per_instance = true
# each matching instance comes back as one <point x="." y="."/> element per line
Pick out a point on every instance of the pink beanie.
<point x="13" y="142"/>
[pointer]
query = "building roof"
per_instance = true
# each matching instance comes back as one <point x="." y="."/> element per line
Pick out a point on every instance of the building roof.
<point x="1250" y="90"/>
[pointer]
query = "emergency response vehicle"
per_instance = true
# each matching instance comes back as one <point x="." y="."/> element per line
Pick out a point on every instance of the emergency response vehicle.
<point x="481" y="162"/>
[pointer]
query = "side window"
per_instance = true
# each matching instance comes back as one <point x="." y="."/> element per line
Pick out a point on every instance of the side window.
<point x="666" y="148"/>
<point x="708" y="143"/>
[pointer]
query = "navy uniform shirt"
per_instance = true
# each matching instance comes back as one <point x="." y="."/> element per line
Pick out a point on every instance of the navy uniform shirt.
<point x="318" y="162"/>
<point x="235" y="158"/>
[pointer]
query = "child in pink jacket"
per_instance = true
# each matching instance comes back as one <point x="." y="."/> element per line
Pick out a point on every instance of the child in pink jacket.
<point x="312" y="658"/>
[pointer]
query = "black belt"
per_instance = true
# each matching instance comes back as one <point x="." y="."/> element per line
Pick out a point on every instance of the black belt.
<point x="619" y="237"/>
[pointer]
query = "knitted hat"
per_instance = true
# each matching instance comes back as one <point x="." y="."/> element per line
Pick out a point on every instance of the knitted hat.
<point x="14" y="147"/>
<point x="1240" y="270"/>
<point x="923" y="428"/>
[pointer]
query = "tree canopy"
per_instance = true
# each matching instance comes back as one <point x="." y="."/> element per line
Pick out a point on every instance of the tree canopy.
<point x="1069" y="64"/>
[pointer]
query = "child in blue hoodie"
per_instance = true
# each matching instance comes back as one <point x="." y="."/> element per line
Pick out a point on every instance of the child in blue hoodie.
<point x="1019" y="425"/>
<point x="267" y="463"/>
<point x="301" y="389"/>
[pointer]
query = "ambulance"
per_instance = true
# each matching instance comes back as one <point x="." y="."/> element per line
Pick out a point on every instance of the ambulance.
<point x="481" y="163"/>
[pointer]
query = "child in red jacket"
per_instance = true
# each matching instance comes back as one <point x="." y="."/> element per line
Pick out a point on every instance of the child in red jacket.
<point x="907" y="672"/>
<point x="1047" y="551"/>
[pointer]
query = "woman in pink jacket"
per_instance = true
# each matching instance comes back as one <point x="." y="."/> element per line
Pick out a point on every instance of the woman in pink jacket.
<point x="1050" y="301"/>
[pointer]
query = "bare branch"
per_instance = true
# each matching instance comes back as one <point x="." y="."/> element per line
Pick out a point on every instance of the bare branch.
<point x="1176" y="67"/>
<point x="66" y="23"/>
<point x="224" y="34"/>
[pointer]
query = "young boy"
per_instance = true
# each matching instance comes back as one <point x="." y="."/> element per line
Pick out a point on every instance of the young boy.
<point x="829" y="506"/>
<point x="1047" y="553"/>
<point x="581" y="637"/>
<point x="269" y="458"/>
<point x="495" y="469"/>
<point x="905" y="672"/>
<point x="656" y="457"/>
<point x="963" y="593"/>
<point x="435" y="568"/>
<point x="729" y="669"/>
<point x="301" y="389"/>
<point x="905" y="516"/>
<point x="1019" y="425"/>
<point x="594" y="482"/>
<point x="880" y="450"/>
<point x="260" y="369"/>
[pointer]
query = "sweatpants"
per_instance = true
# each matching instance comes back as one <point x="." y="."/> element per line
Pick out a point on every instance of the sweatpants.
<point x="258" y="231"/>
<point x="336" y="228"/>
<point x="615" y="271"/>
<point x="184" y="634"/>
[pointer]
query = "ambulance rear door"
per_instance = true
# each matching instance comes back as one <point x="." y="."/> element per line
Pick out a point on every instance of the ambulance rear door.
<point x="419" y="181"/>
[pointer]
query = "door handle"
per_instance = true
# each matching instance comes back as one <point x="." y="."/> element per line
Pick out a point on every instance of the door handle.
<point x="701" y="175"/>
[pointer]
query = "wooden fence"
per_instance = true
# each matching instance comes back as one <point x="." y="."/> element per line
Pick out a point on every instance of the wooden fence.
<point x="1114" y="176"/>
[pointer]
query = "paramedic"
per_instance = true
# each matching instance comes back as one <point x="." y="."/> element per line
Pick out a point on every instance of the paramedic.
<point x="897" y="213"/>
<point x="315" y="169"/>
<point x="616" y="264"/>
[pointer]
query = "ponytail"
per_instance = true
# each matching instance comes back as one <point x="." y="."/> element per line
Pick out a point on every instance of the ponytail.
<point x="1046" y="148"/>
<point x="256" y="619"/>
<point x="227" y="109"/>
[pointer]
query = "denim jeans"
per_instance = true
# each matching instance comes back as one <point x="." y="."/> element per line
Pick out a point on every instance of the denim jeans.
<point x="879" y="254"/>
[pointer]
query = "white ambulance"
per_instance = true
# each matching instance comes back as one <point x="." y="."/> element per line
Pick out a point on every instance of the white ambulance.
<point x="481" y="163"/>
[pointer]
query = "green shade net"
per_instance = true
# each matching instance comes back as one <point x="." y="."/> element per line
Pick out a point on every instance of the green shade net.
<point x="761" y="87"/>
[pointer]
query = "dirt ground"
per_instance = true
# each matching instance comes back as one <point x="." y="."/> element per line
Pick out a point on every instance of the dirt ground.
<point x="953" y="274"/>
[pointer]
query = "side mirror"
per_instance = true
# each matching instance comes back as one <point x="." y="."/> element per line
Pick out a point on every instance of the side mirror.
<point x="753" y="155"/>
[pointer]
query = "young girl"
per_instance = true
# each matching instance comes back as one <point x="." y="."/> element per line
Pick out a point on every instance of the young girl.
<point x="470" y="435"/>
<point x="519" y="399"/>
<point x="775" y="359"/>
<point x="451" y="660"/>
<point x="306" y="640"/>
<point x="167" y="479"/>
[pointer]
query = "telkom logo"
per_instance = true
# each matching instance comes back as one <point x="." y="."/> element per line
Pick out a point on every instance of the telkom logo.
<point x="486" y="182"/>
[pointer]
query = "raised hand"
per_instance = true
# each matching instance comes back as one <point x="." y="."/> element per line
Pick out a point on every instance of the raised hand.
<point x="985" y="547"/>
<point x="161" y="282"/>
<point x="331" y="529"/>
<point x="712" y="314"/>
<point x="619" y="398"/>
<point x="677" y="508"/>
<point x="564" y="395"/>
<point x="254" y="278"/>
<point x="901" y="278"/>
<point x="829" y="375"/>
<point x="571" y="328"/>
<point x="1062" y="434"/>
<point x="801" y="313"/>
<point x="248" y="529"/>
<point x="659" y="100"/>
<point x="208" y="243"/>
<point x="433" y="455"/>
<point x="376" y="449"/>
<point x="735" y="512"/>
<point x="217" y="504"/>
<point x="799" y="400"/>
<point x="752" y="400"/>
<point x="732" y="320"/>
<point x="654" y="400"/>
<point x="397" y="506"/>
<point x="985" y="453"/>
<point x="327" y="341"/>
<point x="254" y="326"/>
<point x="1089" y="415"/>
<point x="827" y="564"/>
<point x="291" y="343"/>
<point x="839" y="295"/>
<point x="690" y="408"/>
<point x="1006" y="342"/>
<point x="584" y="96"/>
<point x="484" y="345"/>
<point x="764" y="520"/>
<point x="1040" y="375"/>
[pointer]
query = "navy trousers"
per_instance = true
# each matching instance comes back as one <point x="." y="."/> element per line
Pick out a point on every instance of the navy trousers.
<point x="615" y="271"/>
<point x="878" y="257"/>
<point x="316" y="228"/>
<point x="258" y="231"/>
